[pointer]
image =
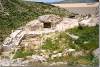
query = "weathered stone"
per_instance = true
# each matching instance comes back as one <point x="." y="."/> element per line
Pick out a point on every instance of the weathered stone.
<point x="44" y="55"/>
<point x="50" y="18"/>
<point x="26" y="62"/>
<point x="59" y="54"/>
<point x="56" y="55"/>
<point x="7" y="41"/>
<point x="13" y="41"/>
<point x="88" y="22"/>
<point x="34" y="25"/>
<point x="53" y="56"/>
<point x="55" y="52"/>
<point x="67" y="23"/>
<point x="78" y="53"/>
<point x="37" y="58"/>
<point x="69" y="50"/>
<point x="73" y="36"/>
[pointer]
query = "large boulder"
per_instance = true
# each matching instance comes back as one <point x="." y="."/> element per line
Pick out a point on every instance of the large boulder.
<point x="50" y="18"/>
<point x="89" y="22"/>
<point x="33" y="25"/>
<point x="67" y="23"/>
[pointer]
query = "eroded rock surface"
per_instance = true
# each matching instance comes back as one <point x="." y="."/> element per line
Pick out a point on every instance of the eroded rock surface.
<point x="50" y="18"/>
<point x="89" y="22"/>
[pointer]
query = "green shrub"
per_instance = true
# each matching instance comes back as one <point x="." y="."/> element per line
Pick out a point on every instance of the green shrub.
<point x="22" y="54"/>
<point x="49" y="45"/>
<point x="87" y="34"/>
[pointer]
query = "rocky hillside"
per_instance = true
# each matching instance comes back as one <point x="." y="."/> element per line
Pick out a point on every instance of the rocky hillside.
<point x="16" y="13"/>
<point x="66" y="41"/>
<point x="36" y="37"/>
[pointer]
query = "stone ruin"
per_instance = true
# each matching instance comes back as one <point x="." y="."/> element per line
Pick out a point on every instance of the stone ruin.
<point x="37" y="27"/>
<point x="17" y="37"/>
<point x="49" y="21"/>
<point x="32" y="41"/>
<point x="45" y="21"/>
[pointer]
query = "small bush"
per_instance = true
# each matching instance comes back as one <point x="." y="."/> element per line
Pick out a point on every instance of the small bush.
<point x="22" y="54"/>
<point x="49" y="45"/>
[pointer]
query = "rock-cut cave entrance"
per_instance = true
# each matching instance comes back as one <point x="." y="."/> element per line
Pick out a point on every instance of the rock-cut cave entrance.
<point x="47" y="25"/>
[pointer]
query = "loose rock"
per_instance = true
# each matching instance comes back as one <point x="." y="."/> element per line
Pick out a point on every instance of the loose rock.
<point x="37" y="58"/>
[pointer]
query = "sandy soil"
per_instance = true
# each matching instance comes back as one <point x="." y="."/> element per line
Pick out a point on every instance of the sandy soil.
<point x="64" y="5"/>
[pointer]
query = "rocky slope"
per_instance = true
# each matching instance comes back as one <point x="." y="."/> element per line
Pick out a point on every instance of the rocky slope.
<point x="68" y="42"/>
<point x="16" y="13"/>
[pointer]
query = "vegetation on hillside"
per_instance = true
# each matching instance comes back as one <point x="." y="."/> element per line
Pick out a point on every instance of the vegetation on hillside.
<point x="89" y="37"/>
<point x="59" y="41"/>
<point x="88" y="41"/>
<point x="16" y="13"/>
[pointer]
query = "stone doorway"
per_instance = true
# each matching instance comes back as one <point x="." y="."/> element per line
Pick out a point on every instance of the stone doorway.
<point x="47" y="25"/>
